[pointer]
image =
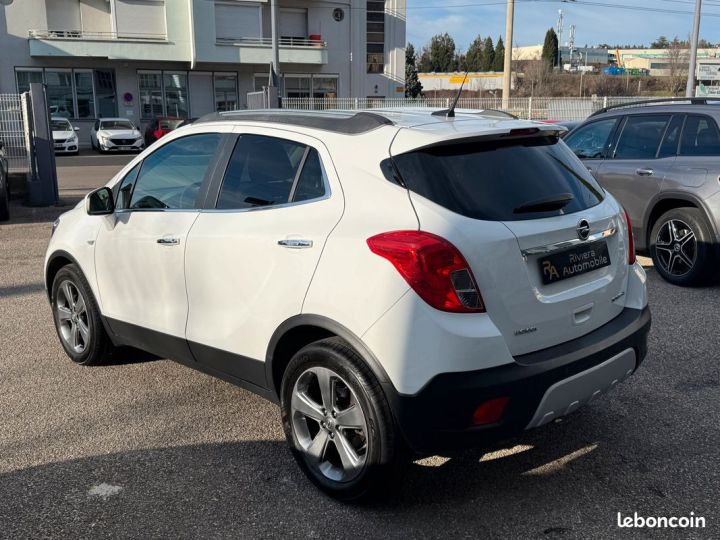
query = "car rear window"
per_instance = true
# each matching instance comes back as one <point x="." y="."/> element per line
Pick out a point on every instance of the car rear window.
<point x="492" y="180"/>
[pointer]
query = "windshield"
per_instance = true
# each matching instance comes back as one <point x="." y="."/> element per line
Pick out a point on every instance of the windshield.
<point x="116" y="124"/>
<point x="506" y="180"/>
<point x="60" y="124"/>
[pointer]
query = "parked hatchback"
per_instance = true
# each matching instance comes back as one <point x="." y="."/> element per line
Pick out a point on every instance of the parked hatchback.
<point x="662" y="162"/>
<point x="65" y="139"/>
<point x="399" y="282"/>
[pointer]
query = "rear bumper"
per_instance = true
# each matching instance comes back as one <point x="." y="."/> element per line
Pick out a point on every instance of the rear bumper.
<point x="541" y="386"/>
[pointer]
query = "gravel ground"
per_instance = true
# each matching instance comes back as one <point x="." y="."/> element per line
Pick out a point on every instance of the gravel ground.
<point x="149" y="448"/>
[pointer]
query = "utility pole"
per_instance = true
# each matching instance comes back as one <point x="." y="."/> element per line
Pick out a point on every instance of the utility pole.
<point x="507" y="66"/>
<point x="559" y="36"/>
<point x="275" y="62"/>
<point x="690" y="88"/>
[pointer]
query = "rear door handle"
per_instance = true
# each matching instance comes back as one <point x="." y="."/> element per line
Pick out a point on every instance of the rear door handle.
<point x="295" y="243"/>
<point x="168" y="241"/>
<point x="644" y="172"/>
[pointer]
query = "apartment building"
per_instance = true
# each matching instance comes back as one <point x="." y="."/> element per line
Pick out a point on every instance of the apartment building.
<point x="145" y="58"/>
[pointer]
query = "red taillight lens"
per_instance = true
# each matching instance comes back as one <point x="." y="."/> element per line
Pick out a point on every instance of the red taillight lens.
<point x="433" y="267"/>
<point x="490" y="411"/>
<point x="631" y="240"/>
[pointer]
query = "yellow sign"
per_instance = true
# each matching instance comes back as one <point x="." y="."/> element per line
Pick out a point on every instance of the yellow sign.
<point x="457" y="79"/>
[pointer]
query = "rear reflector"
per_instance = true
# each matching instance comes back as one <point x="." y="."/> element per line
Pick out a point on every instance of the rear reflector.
<point x="433" y="267"/>
<point x="491" y="411"/>
<point x="631" y="239"/>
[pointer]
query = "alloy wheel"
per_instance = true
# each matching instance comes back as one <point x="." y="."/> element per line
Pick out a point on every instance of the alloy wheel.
<point x="72" y="317"/>
<point x="329" y="424"/>
<point x="676" y="247"/>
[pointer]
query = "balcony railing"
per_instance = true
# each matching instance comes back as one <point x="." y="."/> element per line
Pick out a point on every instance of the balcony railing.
<point x="285" y="42"/>
<point x="94" y="36"/>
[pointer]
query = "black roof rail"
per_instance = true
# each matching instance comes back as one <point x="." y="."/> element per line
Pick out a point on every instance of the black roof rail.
<point x="338" y="122"/>
<point x="640" y="103"/>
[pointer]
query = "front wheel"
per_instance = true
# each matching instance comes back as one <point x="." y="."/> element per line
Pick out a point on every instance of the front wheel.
<point x="338" y="423"/>
<point x="77" y="318"/>
<point x="681" y="246"/>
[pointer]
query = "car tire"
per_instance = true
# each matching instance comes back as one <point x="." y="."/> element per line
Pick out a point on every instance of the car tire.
<point x="682" y="247"/>
<point x="348" y="464"/>
<point x="74" y="309"/>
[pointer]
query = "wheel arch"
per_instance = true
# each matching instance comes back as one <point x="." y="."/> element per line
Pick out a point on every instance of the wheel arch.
<point x="669" y="201"/>
<point x="301" y="330"/>
<point x="55" y="262"/>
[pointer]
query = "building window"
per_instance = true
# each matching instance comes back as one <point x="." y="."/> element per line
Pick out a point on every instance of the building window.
<point x="293" y="25"/>
<point x="324" y="86"/>
<point x="74" y="93"/>
<point x="297" y="86"/>
<point x="151" y="98"/>
<point x="60" y="93"/>
<point x="375" y="37"/>
<point x="176" y="94"/>
<point x="235" y="21"/>
<point x="226" y="94"/>
<point x="26" y="76"/>
<point x="85" y="93"/>
<point x="321" y="85"/>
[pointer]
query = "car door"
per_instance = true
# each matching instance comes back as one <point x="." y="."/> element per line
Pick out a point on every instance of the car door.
<point x="592" y="141"/>
<point x="140" y="249"/>
<point x="251" y="255"/>
<point x="643" y="155"/>
<point x="697" y="157"/>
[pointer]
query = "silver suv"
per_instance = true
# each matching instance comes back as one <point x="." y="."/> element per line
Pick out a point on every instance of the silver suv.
<point x="661" y="160"/>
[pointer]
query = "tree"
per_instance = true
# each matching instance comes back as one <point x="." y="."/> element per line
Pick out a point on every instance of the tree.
<point x="474" y="55"/>
<point x="678" y="66"/>
<point x="550" y="47"/>
<point x="413" y="87"/>
<point x="488" y="56"/>
<point x="499" y="59"/>
<point x="661" y="43"/>
<point x="439" y="55"/>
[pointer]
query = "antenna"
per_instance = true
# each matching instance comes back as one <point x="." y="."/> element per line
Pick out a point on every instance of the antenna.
<point x="450" y="113"/>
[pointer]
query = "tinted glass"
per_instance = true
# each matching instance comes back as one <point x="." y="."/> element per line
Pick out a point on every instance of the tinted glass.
<point x="122" y="201"/>
<point x="311" y="183"/>
<point x="116" y="124"/>
<point x="261" y="172"/>
<point x="700" y="137"/>
<point x="491" y="180"/>
<point x="171" y="176"/>
<point x="641" y="137"/>
<point x="590" y="141"/>
<point x="669" y="145"/>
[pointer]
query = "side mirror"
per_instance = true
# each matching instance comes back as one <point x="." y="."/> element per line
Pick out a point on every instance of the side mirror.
<point x="76" y="128"/>
<point x="100" y="202"/>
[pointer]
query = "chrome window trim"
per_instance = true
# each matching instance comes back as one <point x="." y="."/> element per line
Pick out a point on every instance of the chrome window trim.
<point x="549" y="248"/>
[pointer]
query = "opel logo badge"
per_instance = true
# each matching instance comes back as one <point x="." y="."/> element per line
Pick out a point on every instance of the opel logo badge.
<point x="583" y="229"/>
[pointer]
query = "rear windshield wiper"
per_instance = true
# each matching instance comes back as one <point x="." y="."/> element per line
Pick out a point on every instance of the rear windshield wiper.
<point x="548" y="204"/>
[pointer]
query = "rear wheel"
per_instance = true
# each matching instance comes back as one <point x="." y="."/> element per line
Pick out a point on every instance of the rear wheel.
<point x="77" y="318"/>
<point x="338" y="423"/>
<point x="681" y="246"/>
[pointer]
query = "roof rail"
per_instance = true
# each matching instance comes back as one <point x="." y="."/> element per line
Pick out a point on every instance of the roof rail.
<point x="360" y="122"/>
<point x="692" y="100"/>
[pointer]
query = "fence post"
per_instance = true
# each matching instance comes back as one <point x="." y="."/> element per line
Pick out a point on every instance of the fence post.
<point x="604" y="102"/>
<point x="530" y="108"/>
<point x="357" y="103"/>
<point x="447" y="103"/>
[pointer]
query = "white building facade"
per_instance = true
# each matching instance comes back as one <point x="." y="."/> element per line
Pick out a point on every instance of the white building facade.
<point x="145" y="58"/>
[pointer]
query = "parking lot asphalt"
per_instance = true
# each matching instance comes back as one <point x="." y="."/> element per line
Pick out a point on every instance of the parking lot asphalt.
<point x="148" y="448"/>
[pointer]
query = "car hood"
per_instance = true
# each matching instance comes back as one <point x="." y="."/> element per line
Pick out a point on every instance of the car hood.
<point x="120" y="133"/>
<point x="63" y="134"/>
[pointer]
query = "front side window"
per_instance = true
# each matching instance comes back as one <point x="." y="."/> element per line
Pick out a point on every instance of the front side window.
<point x="122" y="200"/>
<point x="641" y="136"/>
<point x="263" y="171"/>
<point x="171" y="177"/>
<point x="591" y="140"/>
<point x="700" y="137"/>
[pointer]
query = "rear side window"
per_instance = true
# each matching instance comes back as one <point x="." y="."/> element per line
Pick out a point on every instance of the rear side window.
<point x="641" y="136"/>
<point x="265" y="171"/>
<point x="700" y="137"/>
<point x="591" y="140"/>
<point x="499" y="180"/>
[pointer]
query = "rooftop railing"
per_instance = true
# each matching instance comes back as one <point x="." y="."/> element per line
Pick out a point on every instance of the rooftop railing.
<point x="94" y="36"/>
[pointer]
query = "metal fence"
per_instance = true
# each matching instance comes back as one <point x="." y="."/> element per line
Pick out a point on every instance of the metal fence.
<point x="13" y="133"/>
<point x="532" y="108"/>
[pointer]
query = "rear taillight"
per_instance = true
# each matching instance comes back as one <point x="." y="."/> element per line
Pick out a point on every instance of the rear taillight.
<point x="631" y="240"/>
<point x="433" y="267"/>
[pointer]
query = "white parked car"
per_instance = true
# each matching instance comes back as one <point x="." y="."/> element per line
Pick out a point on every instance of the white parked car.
<point x="399" y="282"/>
<point x="65" y="139"/>
<point x="116" y="134"/>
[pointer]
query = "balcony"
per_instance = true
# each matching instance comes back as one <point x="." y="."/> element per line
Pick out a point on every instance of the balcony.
<point x="111" y="45"/>
<point x="259" y="50"/>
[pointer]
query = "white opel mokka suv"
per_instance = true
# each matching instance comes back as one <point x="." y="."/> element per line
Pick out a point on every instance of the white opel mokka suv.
<point x="400" y="282"/>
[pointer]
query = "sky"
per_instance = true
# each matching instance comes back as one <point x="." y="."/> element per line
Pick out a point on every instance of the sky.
<point x="596" y="21"/>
